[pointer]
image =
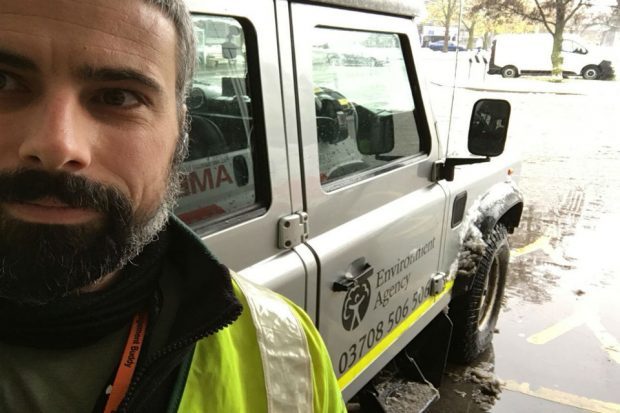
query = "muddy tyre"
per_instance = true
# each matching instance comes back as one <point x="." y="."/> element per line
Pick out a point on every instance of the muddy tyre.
<point x="475" y="313"/>
<point x="510" y="71"/>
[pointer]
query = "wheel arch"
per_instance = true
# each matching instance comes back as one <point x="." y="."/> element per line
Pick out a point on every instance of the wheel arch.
<point x="502" y="204"/>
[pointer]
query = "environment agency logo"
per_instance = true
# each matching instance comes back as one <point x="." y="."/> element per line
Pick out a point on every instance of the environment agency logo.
<point x="355" y="305"/>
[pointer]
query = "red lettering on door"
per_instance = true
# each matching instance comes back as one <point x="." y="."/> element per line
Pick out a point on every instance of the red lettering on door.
<point x="222" y="176"/>
<point x="197" y="185"/>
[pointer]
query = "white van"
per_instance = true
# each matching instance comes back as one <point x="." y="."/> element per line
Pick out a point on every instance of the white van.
<point x="330" y="184"/>
<point x="516" y="54"/>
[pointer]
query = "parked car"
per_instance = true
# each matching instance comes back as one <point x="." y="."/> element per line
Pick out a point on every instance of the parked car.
<point x="358" y="56"/>
<point x="452" y="46"/>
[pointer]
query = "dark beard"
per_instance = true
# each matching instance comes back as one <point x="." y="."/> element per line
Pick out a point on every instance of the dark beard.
<point x="41" y="262"/>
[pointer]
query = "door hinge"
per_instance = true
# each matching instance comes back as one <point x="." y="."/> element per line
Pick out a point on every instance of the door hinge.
<point x="292" y="230"/>
<point x="438" y="282"/>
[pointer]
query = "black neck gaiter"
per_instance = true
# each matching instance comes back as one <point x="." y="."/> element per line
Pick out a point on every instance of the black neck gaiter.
<point x="81" y="319"/>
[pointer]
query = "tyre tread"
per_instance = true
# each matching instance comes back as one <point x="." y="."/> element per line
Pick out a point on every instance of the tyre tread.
<point x="467" y="341"/>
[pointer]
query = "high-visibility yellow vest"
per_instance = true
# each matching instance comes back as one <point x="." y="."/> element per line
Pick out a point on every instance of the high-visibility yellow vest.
<point x="271" y="359"/>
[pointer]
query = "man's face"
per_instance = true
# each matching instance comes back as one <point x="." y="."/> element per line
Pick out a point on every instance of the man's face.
<point x="88" y="129"/>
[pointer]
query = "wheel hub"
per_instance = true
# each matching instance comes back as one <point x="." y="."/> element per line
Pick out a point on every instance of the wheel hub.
<point x="489" y="295"/>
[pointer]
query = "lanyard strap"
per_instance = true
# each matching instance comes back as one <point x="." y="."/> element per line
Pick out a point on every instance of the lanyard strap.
<point x="127" y="365"/>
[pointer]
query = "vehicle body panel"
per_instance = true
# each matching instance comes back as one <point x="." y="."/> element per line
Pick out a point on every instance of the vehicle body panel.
<point x="390" y="223"/>
<point x="254" y="240"/>
<point x="380" y="222"/>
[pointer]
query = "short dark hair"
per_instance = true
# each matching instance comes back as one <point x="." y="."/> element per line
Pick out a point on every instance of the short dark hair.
<point x="177" y="12"/>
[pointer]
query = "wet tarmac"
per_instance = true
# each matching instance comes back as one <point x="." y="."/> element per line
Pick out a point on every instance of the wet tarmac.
<point x="557" y="343"/>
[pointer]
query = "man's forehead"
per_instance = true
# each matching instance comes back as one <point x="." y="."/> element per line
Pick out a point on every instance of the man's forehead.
<point x="124" y="29"/>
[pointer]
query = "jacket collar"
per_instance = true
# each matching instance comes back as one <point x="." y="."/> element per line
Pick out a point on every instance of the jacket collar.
<point x="206" y="289"/>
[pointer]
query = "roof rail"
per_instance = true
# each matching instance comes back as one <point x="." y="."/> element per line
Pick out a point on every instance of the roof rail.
<point x="410" y="8"/>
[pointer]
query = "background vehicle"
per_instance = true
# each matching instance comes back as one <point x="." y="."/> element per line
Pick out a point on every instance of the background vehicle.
<point x="335" y="188"/>
<point x="516" y="54"/>
<point x="452" y="46"/>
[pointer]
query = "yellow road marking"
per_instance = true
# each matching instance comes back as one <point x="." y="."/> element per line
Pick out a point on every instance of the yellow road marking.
<point x="557" y="329"/>
<point x="561" y="397"/>
<point x="608" y="342"/>
<point x="540" y="243"/>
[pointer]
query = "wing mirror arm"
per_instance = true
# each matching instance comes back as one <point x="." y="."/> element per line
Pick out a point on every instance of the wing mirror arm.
<point x="445" y="169"/>
<point x="487" y="136"/>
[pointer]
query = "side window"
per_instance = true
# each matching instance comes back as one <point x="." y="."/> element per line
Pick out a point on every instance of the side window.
<point x="363" y="100"/>
<point x="573" y="47"/>
<point x="579" y="48"/>
<point x="567" y="46"/>
<point x="222" y="168"/>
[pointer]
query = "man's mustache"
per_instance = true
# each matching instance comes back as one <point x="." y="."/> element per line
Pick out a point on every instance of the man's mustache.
<point x="75" y="191"/>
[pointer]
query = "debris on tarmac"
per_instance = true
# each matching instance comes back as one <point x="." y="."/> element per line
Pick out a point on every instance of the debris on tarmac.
<point x="484" y="386"/>
<point x="403" y="395"/>
<point x="460" y="393"/>
<point x="489" y="386"/>
<point x="579" y="292"/>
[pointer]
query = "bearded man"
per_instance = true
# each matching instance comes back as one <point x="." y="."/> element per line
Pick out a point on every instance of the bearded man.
<point x="107" y="302"/>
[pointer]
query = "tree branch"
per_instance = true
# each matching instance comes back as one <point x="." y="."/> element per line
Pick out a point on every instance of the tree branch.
<point x="572" y="13"/>
<point x="542" y="14"/>
<point x="525" y="15"/>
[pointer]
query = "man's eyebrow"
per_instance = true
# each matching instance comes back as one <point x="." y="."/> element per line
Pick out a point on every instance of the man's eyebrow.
<point x="111" y="74"/>
<point x="17" y="61"/>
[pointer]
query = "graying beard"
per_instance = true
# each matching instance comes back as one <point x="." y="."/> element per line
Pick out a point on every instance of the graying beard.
<point x="145" y="233"/>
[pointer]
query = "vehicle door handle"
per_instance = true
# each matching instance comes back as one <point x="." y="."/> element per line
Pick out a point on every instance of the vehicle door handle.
<point x="240" y="168"/>
<point x="349" y="280"/>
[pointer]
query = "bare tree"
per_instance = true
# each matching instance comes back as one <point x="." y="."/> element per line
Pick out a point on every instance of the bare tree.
<point x="605" y="18"/>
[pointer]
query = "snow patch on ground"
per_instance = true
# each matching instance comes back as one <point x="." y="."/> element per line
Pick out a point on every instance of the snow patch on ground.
<point x="486" y="386"/>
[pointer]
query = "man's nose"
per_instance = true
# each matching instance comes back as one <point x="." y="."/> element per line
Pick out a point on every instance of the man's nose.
<point x="57" y="138"/>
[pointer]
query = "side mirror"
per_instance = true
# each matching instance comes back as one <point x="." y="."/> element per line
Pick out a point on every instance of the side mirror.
<point x="375" y="132"/>
<point x="488" y="127"/>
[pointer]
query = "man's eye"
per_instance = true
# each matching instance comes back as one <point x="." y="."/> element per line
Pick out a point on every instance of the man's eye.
<point x="119" y="97"/>
<point x="8" y="83"/>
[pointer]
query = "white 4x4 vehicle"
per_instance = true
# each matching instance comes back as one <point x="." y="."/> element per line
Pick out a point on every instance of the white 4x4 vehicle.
<point x="329" y="183"/>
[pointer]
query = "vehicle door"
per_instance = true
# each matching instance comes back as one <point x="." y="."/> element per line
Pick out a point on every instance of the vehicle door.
<point x="574" y="55"/>
<point x="235" y="188"/>
<point x="375" y="215"/>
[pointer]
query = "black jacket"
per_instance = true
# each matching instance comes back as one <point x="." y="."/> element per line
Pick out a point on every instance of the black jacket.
<point x="207" y="304"/>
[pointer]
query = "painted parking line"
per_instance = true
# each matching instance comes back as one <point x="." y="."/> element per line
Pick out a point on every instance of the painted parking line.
<point x="609" y="344"/>
<point x="540" y="244"/>
<point x="557" y="396"/>
<point x="556" y="330"/>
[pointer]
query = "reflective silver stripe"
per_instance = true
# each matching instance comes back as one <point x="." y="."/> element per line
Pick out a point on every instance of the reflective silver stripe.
<point x="284" y="349"/>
